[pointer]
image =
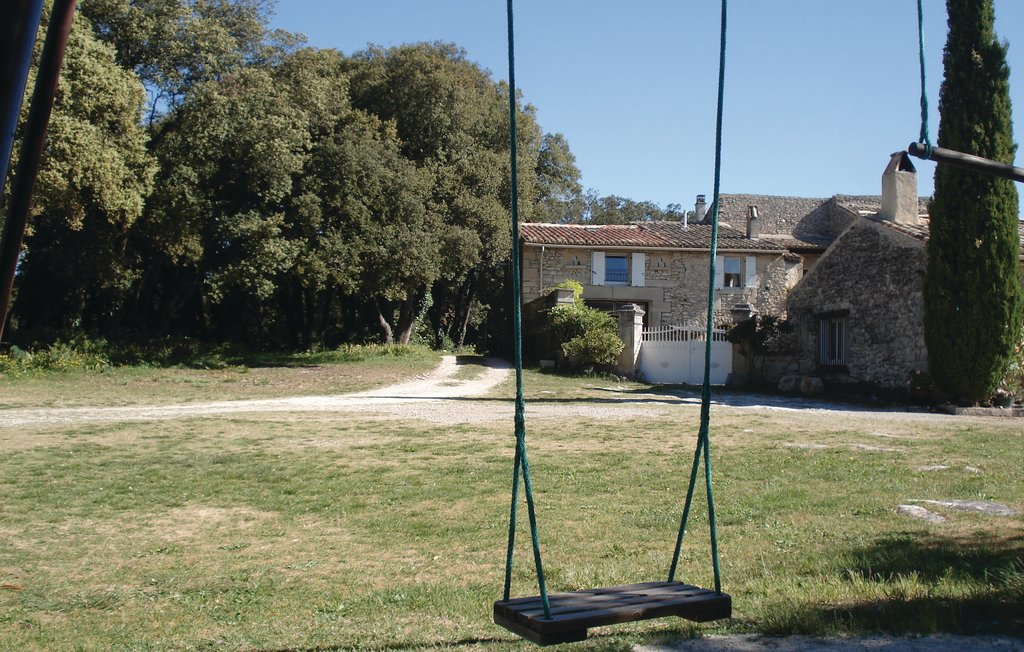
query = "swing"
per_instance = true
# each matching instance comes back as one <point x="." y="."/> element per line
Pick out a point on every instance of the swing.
<point x="925" y="149"/>
<point x="565" y="617"/>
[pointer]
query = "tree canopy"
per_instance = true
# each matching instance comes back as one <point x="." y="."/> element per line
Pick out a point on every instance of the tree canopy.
<point x="208" y="177"/>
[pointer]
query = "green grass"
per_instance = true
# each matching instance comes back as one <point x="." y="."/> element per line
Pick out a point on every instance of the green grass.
<point x="330" y="531"/>
<point x="252" y="376"/>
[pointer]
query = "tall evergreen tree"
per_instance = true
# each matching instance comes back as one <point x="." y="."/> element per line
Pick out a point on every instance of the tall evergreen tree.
<point x="973" y="298"/>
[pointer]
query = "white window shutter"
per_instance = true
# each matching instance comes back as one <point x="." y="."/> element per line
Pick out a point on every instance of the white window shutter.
<point x="719" y="272"/>
<point x="750" y="272"/>
<point x="597" y="268"/>
<point x="639" y="275"/>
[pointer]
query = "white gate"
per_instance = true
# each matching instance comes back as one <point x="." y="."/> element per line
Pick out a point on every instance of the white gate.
<point x="675" y="354"/>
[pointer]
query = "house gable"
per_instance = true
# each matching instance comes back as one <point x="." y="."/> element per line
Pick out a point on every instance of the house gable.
<point x="872" y="280"/>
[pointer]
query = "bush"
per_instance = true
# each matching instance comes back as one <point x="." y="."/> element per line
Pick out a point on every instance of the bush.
<point x="1013" y="381"/>
<point x="759" y="337"/>
<point x="59" y="357"/>
<point x="587" y="336"/>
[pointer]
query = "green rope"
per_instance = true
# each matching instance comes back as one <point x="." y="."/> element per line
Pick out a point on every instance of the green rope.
<point x="521" y="462"/>
<point x="703" y="438"/>
<point x="923" y="138"/>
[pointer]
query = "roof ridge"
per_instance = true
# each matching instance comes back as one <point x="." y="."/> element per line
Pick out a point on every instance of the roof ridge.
<point x="574" y="226"/>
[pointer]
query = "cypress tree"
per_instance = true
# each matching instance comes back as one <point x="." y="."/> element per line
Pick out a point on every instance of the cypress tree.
<point x="973" y="298"/>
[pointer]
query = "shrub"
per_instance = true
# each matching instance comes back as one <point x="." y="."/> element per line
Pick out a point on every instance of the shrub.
<point x="587" y="336"/>
<point x="1013" y="381"/>
<point x="59" y="357"/>
<point x="759" y="337"/>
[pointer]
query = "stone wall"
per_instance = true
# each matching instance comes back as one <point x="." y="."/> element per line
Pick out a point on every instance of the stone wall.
<point x="676" y="283"/>
<point x="558" y="264"/>
<point x="875" y="275"/>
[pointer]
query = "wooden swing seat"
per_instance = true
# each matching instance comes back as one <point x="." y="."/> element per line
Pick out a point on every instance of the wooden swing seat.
<point x="573" y="613"/>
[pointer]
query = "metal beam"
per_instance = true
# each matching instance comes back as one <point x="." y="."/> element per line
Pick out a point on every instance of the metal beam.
<point x="967" y="161"/>
<point x="31" y="151"/>
<point x="19" y="23"/>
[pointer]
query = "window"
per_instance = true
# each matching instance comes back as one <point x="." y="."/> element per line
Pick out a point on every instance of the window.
<point x="735" y="273"/>
<point x="832" y="340"/>
<point x="616" y="269"/>
<point x="731" y="269"/>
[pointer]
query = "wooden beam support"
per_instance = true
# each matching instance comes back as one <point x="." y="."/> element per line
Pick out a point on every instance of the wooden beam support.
<point x="967" y="162"/>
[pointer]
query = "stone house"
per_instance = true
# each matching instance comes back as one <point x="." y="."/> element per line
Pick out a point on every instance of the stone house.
<point x="660" y="266"/>
<point x="858" y="311"/>
<point x="848" y="272"/>
<point x="859" y="315"/>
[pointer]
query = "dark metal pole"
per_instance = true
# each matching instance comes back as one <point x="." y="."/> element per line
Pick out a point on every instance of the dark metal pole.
<point x="967" y="161"/>
<point x="19" y="22"/>
<point x="31" y="151"/>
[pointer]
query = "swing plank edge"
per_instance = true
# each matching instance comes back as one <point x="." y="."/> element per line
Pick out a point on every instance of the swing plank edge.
<point x="573" y="613"/>
<point x="539" y="638"/>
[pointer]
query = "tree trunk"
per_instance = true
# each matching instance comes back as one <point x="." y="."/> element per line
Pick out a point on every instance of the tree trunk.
<point x="465" y="319"/>
<point x="408" y="310"/>
<point x="382" y="307"/>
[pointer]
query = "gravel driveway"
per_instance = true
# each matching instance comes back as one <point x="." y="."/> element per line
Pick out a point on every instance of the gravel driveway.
<point x="750" y="643"/>
<point x="406" y="399"/>
<point x="429" y="397"/>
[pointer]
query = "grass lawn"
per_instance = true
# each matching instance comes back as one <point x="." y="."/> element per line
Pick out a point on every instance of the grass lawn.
<point x="268" y="376"/>
<point x="341" y="531"/>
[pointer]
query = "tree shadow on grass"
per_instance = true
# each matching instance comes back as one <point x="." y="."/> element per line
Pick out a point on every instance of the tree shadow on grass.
<point x="961" y="585"/>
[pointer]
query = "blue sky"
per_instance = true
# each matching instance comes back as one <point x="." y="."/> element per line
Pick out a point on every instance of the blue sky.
<point x="818" y="93"/>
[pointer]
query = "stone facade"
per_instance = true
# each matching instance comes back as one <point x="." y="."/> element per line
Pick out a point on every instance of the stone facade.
<point x="871" y="279"/>
<point x="675" y="285"/>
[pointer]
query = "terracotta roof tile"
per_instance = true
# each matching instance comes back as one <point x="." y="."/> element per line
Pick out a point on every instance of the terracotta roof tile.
<point x="670" y="235"/>
<point x="605" y="235"/>
<point x="698" y="236"/>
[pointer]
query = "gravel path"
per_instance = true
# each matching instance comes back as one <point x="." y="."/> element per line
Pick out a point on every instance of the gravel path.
<point x="750" y="643"/>
<point x="408" y="399"/>
<point x="430" y="397"/>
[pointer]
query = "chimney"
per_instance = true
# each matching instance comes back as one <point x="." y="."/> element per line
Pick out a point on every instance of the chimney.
<point x="753" y="229"/>
<point x="899" y="190"/>
<point x="700" y="209"/>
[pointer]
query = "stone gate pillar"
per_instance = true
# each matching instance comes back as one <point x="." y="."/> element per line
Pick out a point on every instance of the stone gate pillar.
<point x="631" y="326"/>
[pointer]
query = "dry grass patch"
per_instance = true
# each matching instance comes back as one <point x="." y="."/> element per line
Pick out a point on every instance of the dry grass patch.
<point x="127" y="386"/>
<point x="184" y="524"/>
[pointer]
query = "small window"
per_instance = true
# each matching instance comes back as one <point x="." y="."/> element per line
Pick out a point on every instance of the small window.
<point x="732" y="272"/>
<point x="832" y="341"/>
<point x="616" y="269"/>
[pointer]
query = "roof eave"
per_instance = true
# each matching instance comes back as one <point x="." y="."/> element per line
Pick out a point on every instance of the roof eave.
<point x="733" y="250"/>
